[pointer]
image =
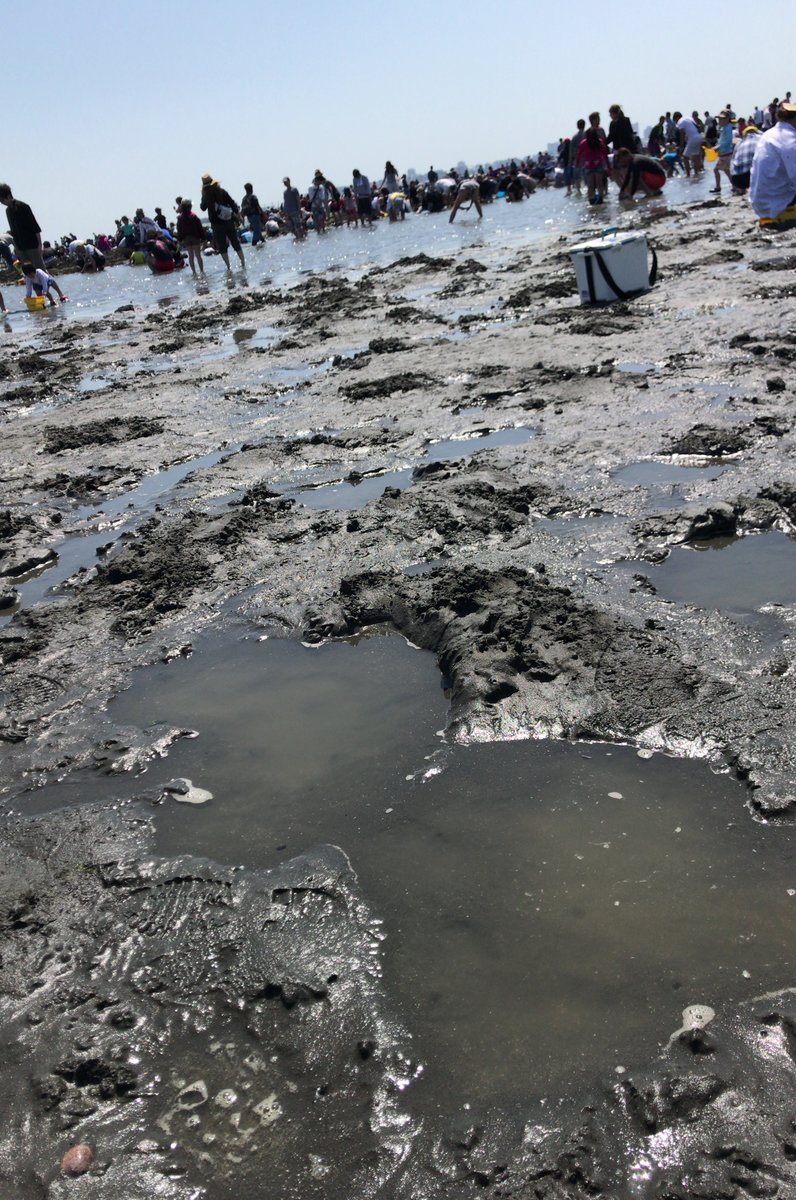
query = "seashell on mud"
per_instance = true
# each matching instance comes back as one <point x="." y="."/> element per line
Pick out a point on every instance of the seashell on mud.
<point x="77" y="1159"/>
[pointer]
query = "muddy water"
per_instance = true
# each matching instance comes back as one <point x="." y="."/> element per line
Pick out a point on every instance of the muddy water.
<point x="549" y="909"/>
<point x="105" y="524"/>
<point x="356" y="493"/>
<point x="281" y="262"/>
<point x="736" y="575"/>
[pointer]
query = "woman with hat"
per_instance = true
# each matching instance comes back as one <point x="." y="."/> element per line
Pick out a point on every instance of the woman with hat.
<point x="221" y="210"/>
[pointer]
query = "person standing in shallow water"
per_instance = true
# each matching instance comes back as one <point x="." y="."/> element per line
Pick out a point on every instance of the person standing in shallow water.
<point x="360" y="185"/>
<point x="291" y="204"/>
<point x="620" y="131"/>
<point x="725" y="148"/>
<point x="191" y="235"/>
<point x="391" y="181"/>
<point x="250" y="208"/>
<point x="25" y="229"/>
<point x="592" y="158"/>
<point x="221" y="210"/>
<point x="690" y="140"/>
<point x="469" y="189"/>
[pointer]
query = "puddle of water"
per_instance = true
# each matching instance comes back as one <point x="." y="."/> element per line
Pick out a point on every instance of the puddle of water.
<point x="80" y="550"/>
<point x="739" y="576"/>
<point x="651" y="473"/>
<point x="345" y="495"/>
<point x="240" y="341"/>
<point x="149" y="366"/>
<point x="91" y="383"/>
<point x="478" y="439"/>
<point x="636" y="368"/>
<point x="424" y="568"/>
<point x="550" y="909"/>
<point x="567" y="526"/>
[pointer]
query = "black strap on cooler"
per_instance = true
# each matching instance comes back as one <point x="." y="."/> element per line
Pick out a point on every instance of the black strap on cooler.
<point x="608" y="277"/>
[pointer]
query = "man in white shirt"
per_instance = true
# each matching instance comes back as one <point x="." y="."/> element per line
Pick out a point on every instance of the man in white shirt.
<point x="690" y="142"/>
<point x="773" y="186"/>
<point x="360" y="185"/>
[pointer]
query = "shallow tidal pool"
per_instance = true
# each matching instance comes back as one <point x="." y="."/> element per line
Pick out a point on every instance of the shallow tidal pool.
<point x="549" y="909"/>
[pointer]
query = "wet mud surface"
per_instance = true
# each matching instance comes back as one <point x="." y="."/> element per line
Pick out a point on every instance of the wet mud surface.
<point x="200" y="1025"/>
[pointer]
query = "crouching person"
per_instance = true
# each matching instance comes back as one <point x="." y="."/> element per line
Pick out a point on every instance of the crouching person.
<point x="40" y="283"/>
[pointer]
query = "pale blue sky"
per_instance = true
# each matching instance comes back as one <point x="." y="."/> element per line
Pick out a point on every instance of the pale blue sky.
<point x="123" y="105"/>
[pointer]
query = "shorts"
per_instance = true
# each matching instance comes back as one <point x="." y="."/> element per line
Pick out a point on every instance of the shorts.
<point x="225" y="234"/>
<point x="363" y="206"/>
<point x="693" y="149"/>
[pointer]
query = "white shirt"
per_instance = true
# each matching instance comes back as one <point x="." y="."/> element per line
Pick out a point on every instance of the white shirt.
<point x="773" y="185"/>
<point x="41" y="279"/>
<point x="317" y="195"/>
<point x="689" y="128"/>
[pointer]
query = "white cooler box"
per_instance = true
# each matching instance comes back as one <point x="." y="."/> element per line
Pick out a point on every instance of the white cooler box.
<point x="612" y="267"/>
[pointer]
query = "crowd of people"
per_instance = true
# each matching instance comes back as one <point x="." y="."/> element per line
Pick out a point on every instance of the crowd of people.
<point x="755" y="154"/>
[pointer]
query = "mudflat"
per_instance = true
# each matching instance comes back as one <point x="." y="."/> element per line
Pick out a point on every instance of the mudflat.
<point x="453" y="449"/>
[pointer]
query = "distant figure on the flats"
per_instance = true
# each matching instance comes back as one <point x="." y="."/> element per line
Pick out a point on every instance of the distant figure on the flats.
<point x="251" y="210"/>
<point x="690" y="142"/>
<point x="221" y="210"/>
<point x="40" y="283"/>
<point x="637" y="173"/>
<point x="191" y="235"/>
<point x="391" y="180"/>
<point x="468" y="190"/>
<point x="592" y="158"/>
<point x="291" y="205"/>
<point x="360" y="185"/>
<point x="89" y="259"/>
<point x="25" y="229"/>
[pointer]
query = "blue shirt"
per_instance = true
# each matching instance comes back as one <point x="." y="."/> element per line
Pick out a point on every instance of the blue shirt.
<point x="725" y="139"/>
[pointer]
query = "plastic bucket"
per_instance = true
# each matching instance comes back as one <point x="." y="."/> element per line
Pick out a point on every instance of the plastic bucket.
<point x="612" y="267"/>
<point x="711" y="154"/>
<point x="35" y="303"/>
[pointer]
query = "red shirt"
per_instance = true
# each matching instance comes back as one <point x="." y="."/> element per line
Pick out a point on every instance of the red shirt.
<point x="189" y="226"/>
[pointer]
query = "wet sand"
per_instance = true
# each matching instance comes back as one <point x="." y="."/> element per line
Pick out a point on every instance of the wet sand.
<point x="453" y="449"/>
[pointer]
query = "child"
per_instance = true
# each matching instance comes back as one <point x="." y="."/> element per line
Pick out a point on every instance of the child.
<point x="592" y="158"/>
<point x="191" y="235"/>
<point x="40" y="282"/>
<point x="724" y="147"/>
<point x="350" y="208"/>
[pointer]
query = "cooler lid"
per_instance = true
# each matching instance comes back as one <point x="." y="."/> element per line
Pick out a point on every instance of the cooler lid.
<point x="610" y="241"/>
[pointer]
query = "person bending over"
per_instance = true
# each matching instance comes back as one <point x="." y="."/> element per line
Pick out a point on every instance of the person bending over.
<point x="40" y="283"/>
<point x="637" y="173"/>
<point x="468" y="190"/>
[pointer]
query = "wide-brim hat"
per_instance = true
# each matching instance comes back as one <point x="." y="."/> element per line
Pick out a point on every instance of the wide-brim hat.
<point x="787" y="106"/>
